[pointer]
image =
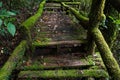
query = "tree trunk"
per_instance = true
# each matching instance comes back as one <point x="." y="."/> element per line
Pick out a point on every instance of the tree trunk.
<point x="106" y="54"/>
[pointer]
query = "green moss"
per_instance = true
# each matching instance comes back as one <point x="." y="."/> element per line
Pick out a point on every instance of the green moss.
<point x="13" y="60"/>
<point x="40" y="43"/>
<point x="63" y="74"/>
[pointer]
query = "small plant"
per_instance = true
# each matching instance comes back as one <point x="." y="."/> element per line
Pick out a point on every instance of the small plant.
<point x="6" y="22"/>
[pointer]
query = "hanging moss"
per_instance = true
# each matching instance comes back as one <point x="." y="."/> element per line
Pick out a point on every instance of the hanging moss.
<point x="13" y="60"/>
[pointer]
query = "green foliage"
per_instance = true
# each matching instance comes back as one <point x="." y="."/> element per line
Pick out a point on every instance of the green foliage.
<point x="0" y="4"/>
<point x="115" y="21"/>
<point x="6" y="22"/>
<point x="11" y="28"/>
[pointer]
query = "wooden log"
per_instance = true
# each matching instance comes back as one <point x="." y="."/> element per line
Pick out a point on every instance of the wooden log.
<point x="72" y="42"/>
<point x="92" y="62"/>
<point x="61" y="74"/>
<point x="13" y="60"/>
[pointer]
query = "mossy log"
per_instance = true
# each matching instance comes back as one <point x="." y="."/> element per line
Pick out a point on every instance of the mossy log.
<point x="13" y="60"/>
<point x="83" y="20"/>
<point x="61" y="74"/>
<point x="106" y="54"/>
<point x="30" y="22"/>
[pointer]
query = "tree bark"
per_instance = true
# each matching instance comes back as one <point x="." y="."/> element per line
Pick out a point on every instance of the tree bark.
<point x="106" y="54"/>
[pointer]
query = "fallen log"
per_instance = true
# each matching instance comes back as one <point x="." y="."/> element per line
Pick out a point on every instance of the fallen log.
<point x="13" y="60"/>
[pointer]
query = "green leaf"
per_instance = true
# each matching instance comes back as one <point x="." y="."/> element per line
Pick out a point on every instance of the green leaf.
<point x="0" y="4"/>
<point x="117" y="21"/>
<point x="111" y="18"/>
<point x="11" y="28"/>
<point x="1" y="22"/>
<point x="11" y="13"/>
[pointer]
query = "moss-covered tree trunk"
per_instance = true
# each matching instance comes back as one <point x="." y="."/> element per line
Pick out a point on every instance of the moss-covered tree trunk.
<point x="106" y="54"/>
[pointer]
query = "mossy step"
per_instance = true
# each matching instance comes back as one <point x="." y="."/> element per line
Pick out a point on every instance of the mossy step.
<point x="62" y="61"/>
<point x="51" y="63"/>
<point x="53" y="43"/>
<point x="61" y="74"/>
